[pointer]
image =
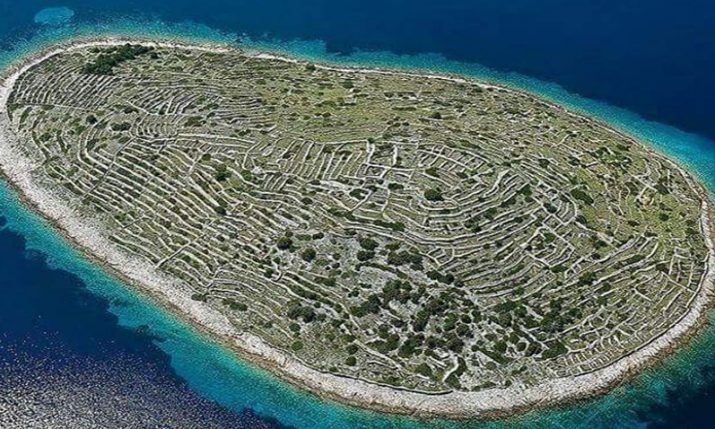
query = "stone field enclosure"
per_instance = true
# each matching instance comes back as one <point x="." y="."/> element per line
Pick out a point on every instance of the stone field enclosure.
<point x="407" y="230"/>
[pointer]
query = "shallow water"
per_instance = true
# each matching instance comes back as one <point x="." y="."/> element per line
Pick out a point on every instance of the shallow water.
<point x="56" y="307"/>
<point x="54" y="16"/>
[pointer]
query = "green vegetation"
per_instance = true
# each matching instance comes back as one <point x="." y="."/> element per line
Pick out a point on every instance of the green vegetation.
<point x="111" y="57"/>
<point x="416" y="232"/>
<point x="433" y="194"/>
<point x="308" y="254"/>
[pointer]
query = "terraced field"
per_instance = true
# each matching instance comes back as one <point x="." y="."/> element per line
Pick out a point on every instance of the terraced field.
<point x="414" y="231"/>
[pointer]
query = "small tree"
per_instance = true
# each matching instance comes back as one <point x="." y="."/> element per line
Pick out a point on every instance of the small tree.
<point x="433" y="194"/>
<point x="368" y="243"/>
<point x="365" y="255"/>
<point x="308" y="254"/>
<point x="424" y="369"/>
<point x="284" y="243"/>
<point x="222" y="173"/>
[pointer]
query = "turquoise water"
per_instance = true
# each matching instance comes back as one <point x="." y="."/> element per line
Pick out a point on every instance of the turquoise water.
<point x="54" y="16"/>
<point x="216" y="374"/>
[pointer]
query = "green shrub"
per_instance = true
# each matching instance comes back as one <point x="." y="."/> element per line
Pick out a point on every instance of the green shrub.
<point x="433" y="194"/>
<point x="308" y="254"/>
<point x="284" y="243"/>
<point x="113" y="56"/>
<point x="368" y="243"/>
<point x="581" y="195"/>
<point x="424" y="369"/>
<point x="364" y="255"/>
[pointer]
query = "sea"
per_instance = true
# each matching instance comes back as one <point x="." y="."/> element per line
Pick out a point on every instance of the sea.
<point x="80" y="349"/>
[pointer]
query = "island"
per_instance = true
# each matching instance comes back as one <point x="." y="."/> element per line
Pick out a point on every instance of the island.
<point x="401" y="241"/>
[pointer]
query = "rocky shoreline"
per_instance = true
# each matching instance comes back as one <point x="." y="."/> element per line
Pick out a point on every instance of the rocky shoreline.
<point x="87" y="235"/>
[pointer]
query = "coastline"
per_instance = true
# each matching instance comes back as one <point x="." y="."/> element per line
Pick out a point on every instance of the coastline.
<point x="490" y="403"/>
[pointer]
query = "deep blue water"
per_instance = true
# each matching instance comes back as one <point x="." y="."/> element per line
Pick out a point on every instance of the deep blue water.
<point x="649" y="66"/>
<point x="53" y="331"/>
